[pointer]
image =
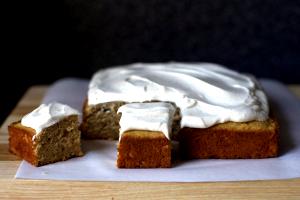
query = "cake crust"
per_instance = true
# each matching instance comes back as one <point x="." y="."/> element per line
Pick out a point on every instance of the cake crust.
<point x="144" y="149"/>
<point x="20" y="142"/>
<point x="255" y="139"/>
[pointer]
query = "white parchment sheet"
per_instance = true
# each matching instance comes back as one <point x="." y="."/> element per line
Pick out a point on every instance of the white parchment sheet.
<point x="99" y="162"/>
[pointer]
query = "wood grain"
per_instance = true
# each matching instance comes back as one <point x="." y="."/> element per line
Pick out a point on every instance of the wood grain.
<point x="11" y="188"/>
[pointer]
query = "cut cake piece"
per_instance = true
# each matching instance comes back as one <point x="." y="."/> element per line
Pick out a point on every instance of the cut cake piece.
<point x="58" y="141"/>
<point x="145" y="135"/>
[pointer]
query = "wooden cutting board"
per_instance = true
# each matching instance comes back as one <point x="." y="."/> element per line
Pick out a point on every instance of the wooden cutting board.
<point x="11" y="188"/>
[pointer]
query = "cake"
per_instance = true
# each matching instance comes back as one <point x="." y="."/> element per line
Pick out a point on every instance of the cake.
<point x="48" y="134"/>
<point x="145" y="130"/>
<point x="221" y="113"/>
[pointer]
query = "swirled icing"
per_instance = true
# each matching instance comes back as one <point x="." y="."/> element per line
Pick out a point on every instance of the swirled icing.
<point x="207" y="94"/>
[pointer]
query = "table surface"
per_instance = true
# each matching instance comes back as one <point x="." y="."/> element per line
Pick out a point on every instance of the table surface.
<point x="11" y="188"/>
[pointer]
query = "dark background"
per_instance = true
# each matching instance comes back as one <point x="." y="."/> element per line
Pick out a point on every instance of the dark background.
<point x="47" y="40"/>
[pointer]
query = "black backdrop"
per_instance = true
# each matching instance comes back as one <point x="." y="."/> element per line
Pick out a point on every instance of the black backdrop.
<point x="48" y="40"/>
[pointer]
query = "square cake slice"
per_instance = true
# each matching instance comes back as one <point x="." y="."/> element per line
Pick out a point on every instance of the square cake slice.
<point x="48" y="134"/>
<point x="144" y="140"/>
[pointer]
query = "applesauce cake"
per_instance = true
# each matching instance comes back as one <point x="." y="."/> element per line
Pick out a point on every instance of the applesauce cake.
<point x="221" y="113"/>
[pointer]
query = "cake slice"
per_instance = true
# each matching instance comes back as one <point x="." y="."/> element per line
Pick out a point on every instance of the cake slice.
<point x="144" y="140"/>
<point x="46" y="135"/>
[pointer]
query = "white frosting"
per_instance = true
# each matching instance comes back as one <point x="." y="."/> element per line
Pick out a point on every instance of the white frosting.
<point x="46" y="115"/>
<point x="154" y="116"/>
<point x="206" y="94"/>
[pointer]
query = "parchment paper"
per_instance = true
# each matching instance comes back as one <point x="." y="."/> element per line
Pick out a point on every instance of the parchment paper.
<point x="99" y="162"/>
